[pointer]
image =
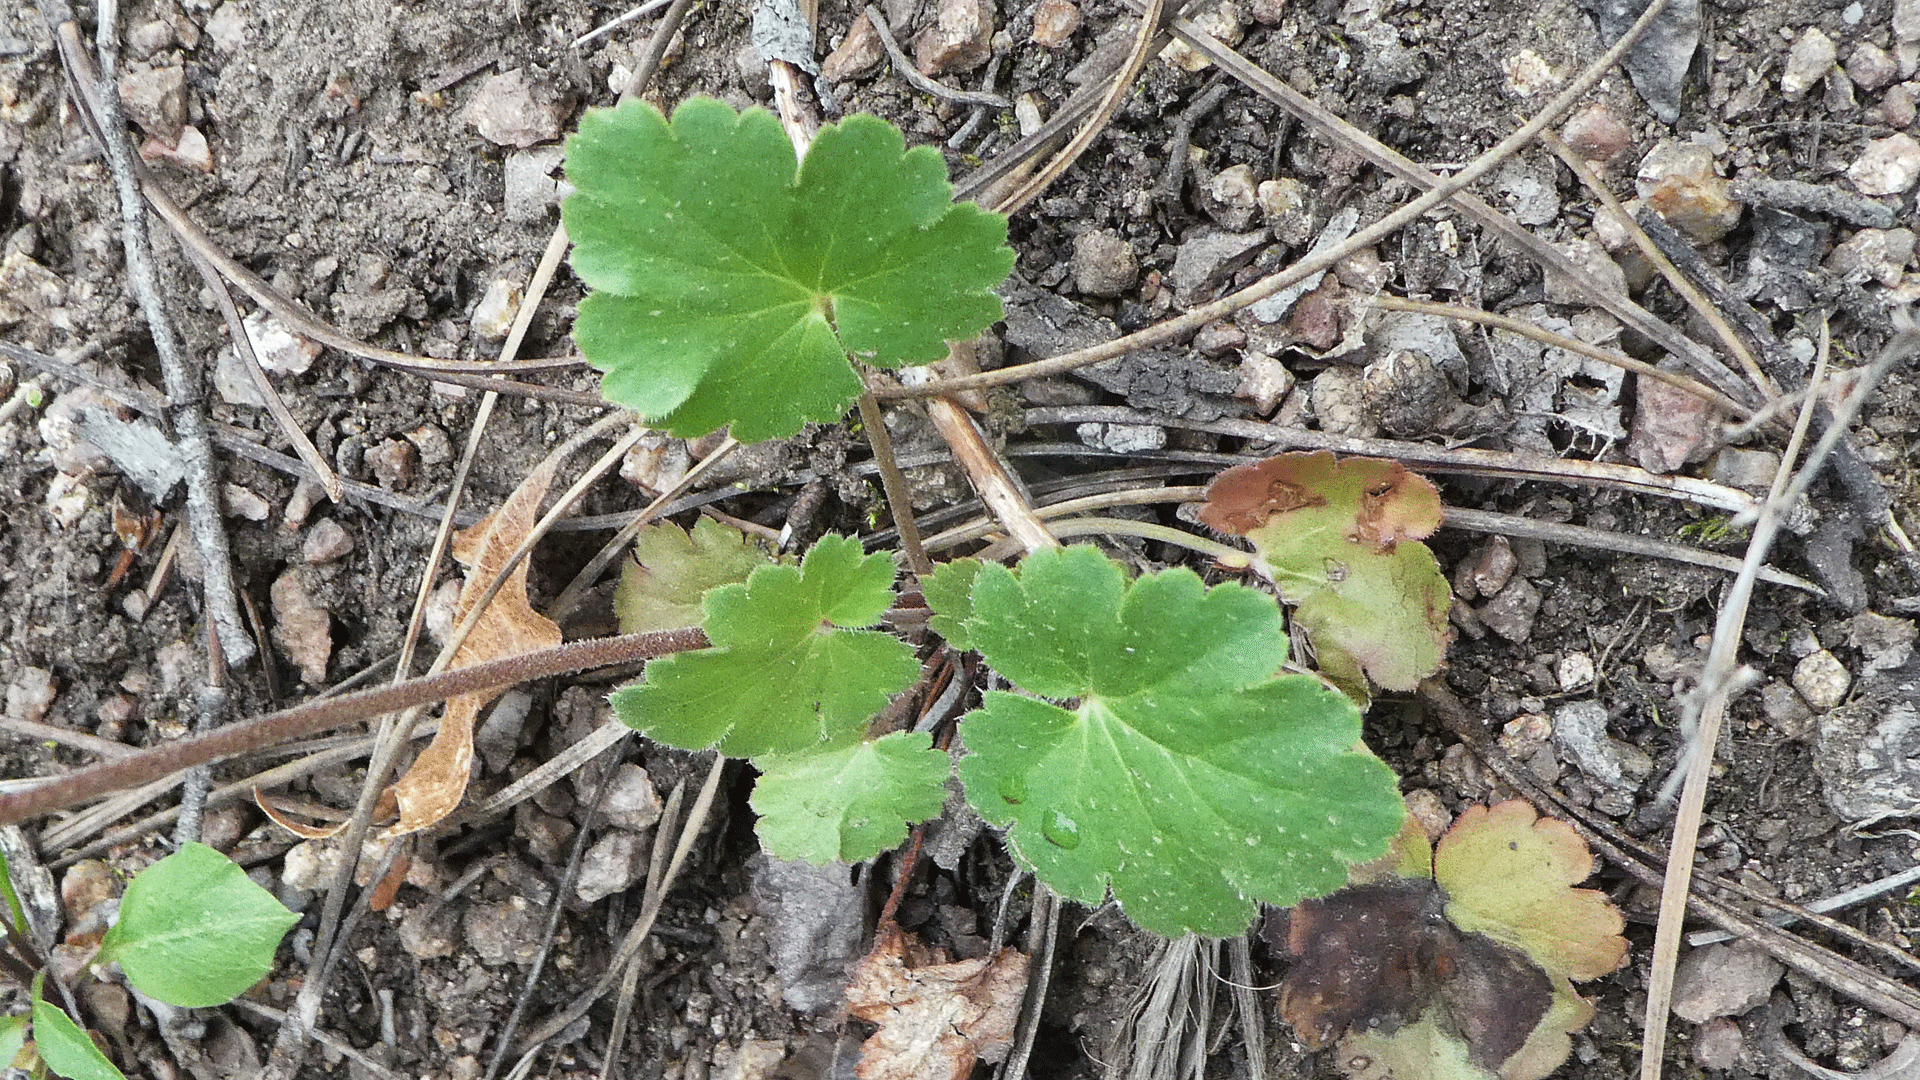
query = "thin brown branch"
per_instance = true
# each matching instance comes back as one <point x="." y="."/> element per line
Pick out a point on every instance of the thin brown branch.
<point x="317" y="716"/>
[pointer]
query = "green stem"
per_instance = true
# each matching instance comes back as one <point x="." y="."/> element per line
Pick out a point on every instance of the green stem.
<point x="1099" y="526"/>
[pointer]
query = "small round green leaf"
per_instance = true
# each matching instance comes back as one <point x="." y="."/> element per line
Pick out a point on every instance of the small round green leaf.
<point x="194" y="931"/>
<point x="730" y="285"/>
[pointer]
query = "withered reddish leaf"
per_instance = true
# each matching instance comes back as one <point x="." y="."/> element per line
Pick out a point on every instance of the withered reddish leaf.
<point x="433" y="786"/>
<point x="1339" y="538"/>
<point x="1389" y="503"/>
<point x="1378" y="958"/>
<point x="936" y="1017"/>
<point x="1362" y="957"/>
<point x="1508" y="873"/>
<point x="1462" y="975"/>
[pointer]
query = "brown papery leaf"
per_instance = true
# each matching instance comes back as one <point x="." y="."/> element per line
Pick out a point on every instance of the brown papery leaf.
<point x="936" y="1017"/>
<point x="434" y="785"/>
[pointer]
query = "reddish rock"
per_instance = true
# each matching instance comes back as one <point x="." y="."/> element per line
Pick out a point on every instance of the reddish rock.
<point x="302" y="628"/>
<point x="1598" y="135"/>
<point x="858" y="54"/>
<point x="960" y="39"/>
<point x="1054" y="22"/>
<point x="156" y="99"/>
<point x="512" y="110"/>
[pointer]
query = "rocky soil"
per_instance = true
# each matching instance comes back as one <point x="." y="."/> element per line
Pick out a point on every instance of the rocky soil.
<point x="395" y="169"/>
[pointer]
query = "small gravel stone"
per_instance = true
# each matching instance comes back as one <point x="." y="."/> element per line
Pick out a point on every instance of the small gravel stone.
<point x="1510" y="614"/>
<point x="858" y="55"/>
<point x="156" y="99"/>
<point x="432" y="442"/>
<point x="612" y="864"/>
<point x="1888" y="166"/>
<point x="1808" y="62"/>
<point x="428" y="931"/>
<point x="1206" y="260"/>
<point x="146" y="38"/>
<point x="1822" y="680"/>
<point x="1103" y="264"/>
<point x="85" y="885"/>
<point x="960" y="38"/>
<point x="1574" y="671"/>
<point x="1263" y="381"/>
<point x="1486" y="571"/>
<point x="547" y="835"/>
<point x="1219" y="339"/>
<point x="1580" y="731"/>
<point x="493" y="315"/>
<point x="1723" y="980"/>
<point x="1748" y="470"/>
<point x="1231" y="198"/>
<point x="504" y="931"/>
<point x="632" y="802"/>
<point x="1878" y="255"/>
<point x="302" y="628"/>
<point x="393" y="463"/>
<point x="239" y="502"/>
<point x="1897" y="106"/>
<point x="1284" y="208"/>
<point x="189" y="150"/>
<point x="227" y="27"/>
<point x="1670" y="427"/>
<point x="1906" y="20"/>
<point x="1717" y="1044"/>
<point x="279" y="350"/>
<point x="1871" y="67"/>
<point x="309" y="865"/>
<point x="1598" y="134"/>
<point x="31" y="694"/>
<point x="1223" y="20"/>
<point x="1054" y="22"/>
<point x="511" y="109"/>
<point x="1786" y="710"/>
<point x="1678" y="180"/>
<point x="532" y="189"/>
<point x="1598" y="271"/>
<point x="1339" y="400"/>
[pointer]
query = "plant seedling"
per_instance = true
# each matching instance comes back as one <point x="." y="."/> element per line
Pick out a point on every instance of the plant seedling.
<point x="193" y="931"/>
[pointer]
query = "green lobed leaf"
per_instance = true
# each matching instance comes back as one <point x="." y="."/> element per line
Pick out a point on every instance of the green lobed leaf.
<point x="730" y="286"/>
<point x="1183" y="772"/>
<point x="194" y="931"/>
<point x="671" y="569"/>
<point x="788" y="669"/>
<point x="65" y="1047"/>
<point x="949" y="592"/>
<point x="852" y="802"/>
<point x="1340" y="540"/>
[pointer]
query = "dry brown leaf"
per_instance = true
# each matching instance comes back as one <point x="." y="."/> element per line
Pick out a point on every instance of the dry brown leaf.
<point x="434" y="785"/>
<point x="936" y="1017"/>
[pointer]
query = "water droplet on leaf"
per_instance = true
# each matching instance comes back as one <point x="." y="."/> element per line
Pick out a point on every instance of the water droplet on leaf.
<point x="1014" y="790"/>
<point x="1060" y="830"/>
